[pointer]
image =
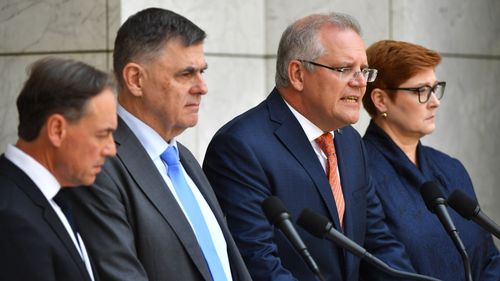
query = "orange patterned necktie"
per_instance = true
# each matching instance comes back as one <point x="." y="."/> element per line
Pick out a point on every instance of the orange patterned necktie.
<point x="325" y="142"/>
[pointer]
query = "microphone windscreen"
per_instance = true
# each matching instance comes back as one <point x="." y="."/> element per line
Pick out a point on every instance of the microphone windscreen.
<point x="463" y="204"/>
<point x="273" y="209"/>
<point x="312" y="222"/>
<point x="431" y="191"/>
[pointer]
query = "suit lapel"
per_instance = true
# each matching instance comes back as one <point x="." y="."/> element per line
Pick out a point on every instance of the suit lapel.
<point x="54" y="222"/>
<point x="346" y="180"/>
<point x="345" y="176"/>
<point x="32" y="191"/>
<point x="301" y="149"/>
<point x="138" y="164"/>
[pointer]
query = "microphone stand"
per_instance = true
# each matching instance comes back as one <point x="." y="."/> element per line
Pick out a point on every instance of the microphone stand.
<point x="463" y="254"/>
<point x="382" y="266"/>
<point x="436" y="203"/>
<point x="321" y="227"/>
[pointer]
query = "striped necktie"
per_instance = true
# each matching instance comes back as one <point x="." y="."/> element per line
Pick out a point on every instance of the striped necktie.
<point x="325" y="142"/>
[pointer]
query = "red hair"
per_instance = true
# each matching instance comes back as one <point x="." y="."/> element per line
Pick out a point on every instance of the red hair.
<point x="396" y="62"/>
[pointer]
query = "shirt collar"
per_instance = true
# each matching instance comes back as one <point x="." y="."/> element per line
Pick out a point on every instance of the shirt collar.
<point x="312" y="131"/>
<point x="43" y="178"/>
<point x="152" y="142"/>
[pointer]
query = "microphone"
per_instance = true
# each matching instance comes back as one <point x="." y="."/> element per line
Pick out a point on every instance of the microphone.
<point x="436" y="203"/>
<point x="278" y="215"/>
<point x="321" y="227"/>
<point x="469" y="209"/>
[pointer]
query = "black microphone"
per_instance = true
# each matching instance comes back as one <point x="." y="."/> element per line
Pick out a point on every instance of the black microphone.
<point x="278" y="215"/>
<point x="469" y="209"/>
<point x="321" y="227"/>
<point x="436" y="203"/>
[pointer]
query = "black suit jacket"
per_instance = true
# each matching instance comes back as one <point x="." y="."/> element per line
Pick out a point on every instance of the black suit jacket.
<point x="138" y="230"/>
<point x="34" y="245"/>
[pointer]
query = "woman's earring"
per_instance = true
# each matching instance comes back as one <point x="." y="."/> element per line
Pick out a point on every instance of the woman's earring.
<point x="383" y="114"/>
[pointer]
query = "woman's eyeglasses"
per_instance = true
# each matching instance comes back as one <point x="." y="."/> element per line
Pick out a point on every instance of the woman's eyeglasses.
<point x="424" y="92"/>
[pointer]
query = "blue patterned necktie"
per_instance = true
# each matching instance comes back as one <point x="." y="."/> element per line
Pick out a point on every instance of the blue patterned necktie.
<point x="193" y="211"/>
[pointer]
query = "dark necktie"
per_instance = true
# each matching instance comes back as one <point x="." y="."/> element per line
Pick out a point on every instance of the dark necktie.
<point x="62" y="202"/>
<point x="193" y="211"/>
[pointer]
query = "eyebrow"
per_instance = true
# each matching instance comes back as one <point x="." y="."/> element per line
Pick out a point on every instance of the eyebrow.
<point x="192" y="69"/>
<point x="108" y="130"/>
<point x="426" y="84"/>
<point x="350" y="64"/>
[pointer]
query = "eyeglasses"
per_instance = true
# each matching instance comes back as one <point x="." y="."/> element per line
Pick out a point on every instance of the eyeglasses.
<point x="347" y="73"/>
<point x="424" y="92"/>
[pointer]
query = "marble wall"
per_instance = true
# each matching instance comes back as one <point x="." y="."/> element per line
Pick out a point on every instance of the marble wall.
<point x="240" y="51"/>
<point x="32" y="29"/>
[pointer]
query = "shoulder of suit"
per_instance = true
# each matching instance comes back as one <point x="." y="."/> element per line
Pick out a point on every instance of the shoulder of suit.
<point x="438" y="155"/>
<point x="444" y="161"/>
<point x="349" y="133"/>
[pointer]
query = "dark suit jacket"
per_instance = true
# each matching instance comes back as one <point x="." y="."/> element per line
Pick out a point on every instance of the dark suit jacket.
<point x="138" y="230"/>
<point x="265" y="152"/>
<point x="34" y="245"/>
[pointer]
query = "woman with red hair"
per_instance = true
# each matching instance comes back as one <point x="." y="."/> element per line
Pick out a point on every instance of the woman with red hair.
<point x="403" y="102"/>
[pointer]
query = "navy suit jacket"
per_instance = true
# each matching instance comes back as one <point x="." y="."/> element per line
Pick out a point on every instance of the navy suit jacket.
<point x="34" y="245"/>
<point x="430" y="248"/>
<point x="265" y="152"/>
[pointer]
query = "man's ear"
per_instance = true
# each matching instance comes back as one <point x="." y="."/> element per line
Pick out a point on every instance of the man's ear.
<point x="380" y="99"/>
<point x="133" y="74"/>
<point x="296" y="75"/>
<point x="56" y="127"/>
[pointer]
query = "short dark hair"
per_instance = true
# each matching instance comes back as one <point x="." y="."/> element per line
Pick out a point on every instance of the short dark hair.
<point x="57" y="85"/>
<point x="143" y="35"/>
<point x="396" y="62"/>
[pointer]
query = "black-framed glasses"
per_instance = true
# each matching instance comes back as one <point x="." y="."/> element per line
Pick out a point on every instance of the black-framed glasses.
<point x="424" y="92"/>
<point x="347" y="73"/>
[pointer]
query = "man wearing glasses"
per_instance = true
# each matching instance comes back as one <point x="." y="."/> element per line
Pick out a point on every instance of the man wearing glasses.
<point x="298" y="145"/>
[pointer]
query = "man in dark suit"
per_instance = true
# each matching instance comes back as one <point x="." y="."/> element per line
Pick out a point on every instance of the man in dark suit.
<point x="67" y="112"/>
<point x="284" y="147"/>
<point x="151" y="218"/>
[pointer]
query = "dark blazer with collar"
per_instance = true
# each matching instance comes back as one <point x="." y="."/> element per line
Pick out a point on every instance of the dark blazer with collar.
<point x="265" y="152"/>
<point x="34" y="245"/>
<point x="430" y="248"/>
<point x="137" y="229"/>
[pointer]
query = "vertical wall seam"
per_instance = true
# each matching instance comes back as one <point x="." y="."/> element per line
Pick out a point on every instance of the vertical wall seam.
<point x="107" y="34"/>
<point x="391" y="15"/>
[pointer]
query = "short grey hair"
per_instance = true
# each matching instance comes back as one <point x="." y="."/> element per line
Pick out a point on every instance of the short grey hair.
<point x="300" y="40"/>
